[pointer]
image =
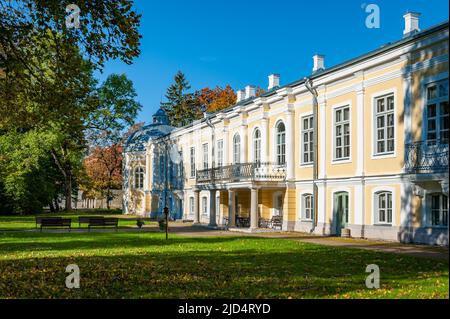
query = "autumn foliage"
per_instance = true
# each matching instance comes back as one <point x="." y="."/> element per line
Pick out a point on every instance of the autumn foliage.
<point x="104" y="170"/>
<point x="217" y="99"/>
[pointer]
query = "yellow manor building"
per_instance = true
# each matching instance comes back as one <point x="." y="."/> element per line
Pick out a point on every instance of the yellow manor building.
<point x="379" y="169"/>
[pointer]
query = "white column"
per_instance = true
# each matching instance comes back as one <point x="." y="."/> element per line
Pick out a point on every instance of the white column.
<point x="196" y="206"/>
<point x="290" y="144"/>
<point x="407" y="103"/>
<point x="212" y="208"/>
<point x="264" y="139"/>
<point x="254" y="220"/>
<point x="231" y="212"/>
<point x="360" y="136"/>
<point x="243" y="134"/>
<point x="322" y="147"/>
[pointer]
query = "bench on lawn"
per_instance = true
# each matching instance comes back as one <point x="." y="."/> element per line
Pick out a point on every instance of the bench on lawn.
<point x="86" y="219"/>
<point x="39" y="220"/>
<point x="103" y="222"/>
<point x="54" y="222"/>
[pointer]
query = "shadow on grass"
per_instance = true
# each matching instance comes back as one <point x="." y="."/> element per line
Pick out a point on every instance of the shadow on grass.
<point x="213" y="267"/>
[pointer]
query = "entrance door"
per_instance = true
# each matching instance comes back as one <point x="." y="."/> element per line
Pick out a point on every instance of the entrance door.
<point x="341" y="211"/>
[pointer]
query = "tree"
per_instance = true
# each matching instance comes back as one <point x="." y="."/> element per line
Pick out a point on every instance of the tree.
<point x="216" y="99"/>
<point x="181" y="107"/>
<point x="104" y="168"/>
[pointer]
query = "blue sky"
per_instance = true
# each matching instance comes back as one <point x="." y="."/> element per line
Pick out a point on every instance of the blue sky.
<point x="242" y="42"/>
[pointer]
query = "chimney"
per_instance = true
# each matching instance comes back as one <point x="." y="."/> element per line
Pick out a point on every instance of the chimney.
<point x="319" y="63"/>
<point x="274" y="81"/>
<point x="411" y="23"/>
<point x="240" y="95"/>
<point x="250" y="91"/>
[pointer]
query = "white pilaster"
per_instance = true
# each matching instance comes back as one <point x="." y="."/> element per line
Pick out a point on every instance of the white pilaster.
<point x="196" y="206"/>
<point x="321" y="203"/>
<point x="360" y="135"/>
<point x="290" y="143"/>
<point x="264" y="138"/>
<point x="244" y="138"/>
<point x="225" y="139"/>
<point x="359" y="204"/>
<point x="322" y="131"/>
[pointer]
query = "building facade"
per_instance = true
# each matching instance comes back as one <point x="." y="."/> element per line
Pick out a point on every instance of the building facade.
<point x="381" y="157"/>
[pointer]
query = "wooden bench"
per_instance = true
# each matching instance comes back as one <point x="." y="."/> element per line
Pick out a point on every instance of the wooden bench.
<point x="86" y="219"/>
<point x="55" y="222"/>
<point x="103" y="222"/>
<point x="39" y="220"/>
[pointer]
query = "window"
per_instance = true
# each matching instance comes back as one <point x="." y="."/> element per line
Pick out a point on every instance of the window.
<point x="192" y="160"/>
<point x="236" y="149"/>
<point x="191" y="205"/>
<point x="220" y="153"/>
<point x="383" y="207"/>
<point x="139" y="178"/>
<point x="205" y="156"/>
<point x="384" y="125"/>
<point x="257" y="146"/>
<point x="439" y="210"/>
<point x="307" y="140"/>
<point x="205" y="205"/>
<point x="437" y="113"/>
<point x="307" y="206"/>
<point x="281" y="143"/>
<point x="342" y="133"/>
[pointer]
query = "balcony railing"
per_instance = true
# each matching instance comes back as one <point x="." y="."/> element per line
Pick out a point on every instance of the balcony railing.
<point x="427" y="157"/>
<point x="242" y="172"/>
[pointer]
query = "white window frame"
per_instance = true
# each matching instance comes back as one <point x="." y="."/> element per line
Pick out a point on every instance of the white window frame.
<point x="256" y="146"/>
<point x="276" y="154"/>
<point x="374" y="98"/>
<point x="220" y="153"/>
<point x="334" y="108"/>
<point x="429" y="209"/>
<point x="139" y="179"/>
<point x="191" y="205"/>
<point x="437" y="101"/>
<point x="236" y="148"/>
<point x="375" y="209"/>
<point x="205" y="149"/>
<point x="192" y="161"/>
<point x="304" y="209"/>
<point x="310" y="132"/>
<point x="204" y="205"/>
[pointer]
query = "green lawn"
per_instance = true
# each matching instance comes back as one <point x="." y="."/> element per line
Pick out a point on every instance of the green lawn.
<point x="17" y="222"/>
<point x="145" y="265"/>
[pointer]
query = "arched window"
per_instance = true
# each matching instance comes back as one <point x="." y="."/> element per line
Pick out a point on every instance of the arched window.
<point x="257" y="146"/>
<point x="307" y="206"/>
<point x="383" y="207"/>
<point x="281" y="143"/>
<point x="236" y="149"/>
<point x="139" y="178"/>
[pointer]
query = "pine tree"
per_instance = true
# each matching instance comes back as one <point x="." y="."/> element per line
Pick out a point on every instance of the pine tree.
<point x="181" y="107"/>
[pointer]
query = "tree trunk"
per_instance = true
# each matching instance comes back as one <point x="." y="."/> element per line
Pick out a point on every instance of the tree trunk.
<point x="68" y="191"/>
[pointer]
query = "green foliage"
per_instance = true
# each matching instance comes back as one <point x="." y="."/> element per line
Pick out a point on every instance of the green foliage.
<point x="181" y="107"/>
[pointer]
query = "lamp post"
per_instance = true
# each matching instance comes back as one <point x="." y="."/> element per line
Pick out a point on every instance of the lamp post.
<point x="166" y="186"/>
<point x="313" y="91"/>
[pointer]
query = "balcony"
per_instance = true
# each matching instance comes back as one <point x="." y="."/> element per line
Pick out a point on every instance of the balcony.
<point x="427" y="157"/>
<point x="243" y="173"/>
